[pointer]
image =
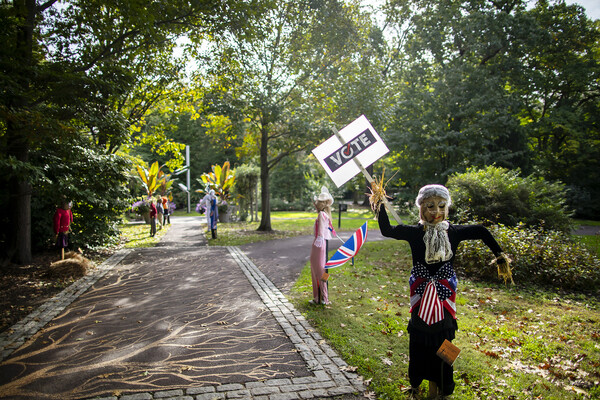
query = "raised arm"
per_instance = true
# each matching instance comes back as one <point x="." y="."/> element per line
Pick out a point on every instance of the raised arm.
<point x="400" y="232"/>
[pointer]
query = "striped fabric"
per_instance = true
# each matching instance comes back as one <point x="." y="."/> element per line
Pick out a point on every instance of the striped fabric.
<point x="433" y="294"/>
<point x="431" y="309"/>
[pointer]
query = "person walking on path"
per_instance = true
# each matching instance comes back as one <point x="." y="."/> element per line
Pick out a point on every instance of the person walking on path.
<point x="433" y="243"/>
<point x="166" y="211"/>
<point x="212" y="213"/>
<point x="318" y="251"/>
<point x="62" y="225"/>
<point x="159" y="212"/>
<point x="153" y="217"/>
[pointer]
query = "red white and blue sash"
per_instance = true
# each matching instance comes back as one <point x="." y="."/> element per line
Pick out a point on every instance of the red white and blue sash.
<point x="433" y="293"/>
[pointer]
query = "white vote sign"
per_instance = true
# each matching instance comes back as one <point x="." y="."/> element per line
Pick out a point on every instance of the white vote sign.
<point x="360" y="143"/>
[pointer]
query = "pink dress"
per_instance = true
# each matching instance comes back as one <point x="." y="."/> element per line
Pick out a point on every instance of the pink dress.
<point x="317" y="256"/>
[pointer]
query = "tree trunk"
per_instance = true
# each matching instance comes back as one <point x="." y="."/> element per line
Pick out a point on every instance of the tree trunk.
<point x="22" y="207"/>
<point x="19" y="201"/>
<point x="18" y="136"/>
<point x="265" y="195"/>
<point x="255" y="199"/>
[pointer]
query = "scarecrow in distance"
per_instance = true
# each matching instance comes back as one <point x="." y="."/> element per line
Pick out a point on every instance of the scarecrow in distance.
<point x="63" y="216"/>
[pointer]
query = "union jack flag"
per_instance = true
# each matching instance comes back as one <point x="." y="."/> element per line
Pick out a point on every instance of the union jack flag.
<point x="349" y="248"/>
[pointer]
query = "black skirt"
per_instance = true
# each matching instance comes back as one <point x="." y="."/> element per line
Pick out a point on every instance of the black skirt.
<point x="425" y="340"/>
<point x="62" y="240"/>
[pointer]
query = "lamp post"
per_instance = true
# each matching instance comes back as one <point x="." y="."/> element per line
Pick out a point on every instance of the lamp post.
<point x="187" y="164"/>
<point x="186" y="188"/>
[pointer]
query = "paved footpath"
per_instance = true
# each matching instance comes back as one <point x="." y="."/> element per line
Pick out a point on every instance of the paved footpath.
<point x="178" y="321"/>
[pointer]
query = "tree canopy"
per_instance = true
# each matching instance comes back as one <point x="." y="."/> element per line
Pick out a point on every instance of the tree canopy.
<point x="276" y="74"/>
<point x="88" y="86"/>
<point x="495" y="82"/>
<point x="85" y="73"/>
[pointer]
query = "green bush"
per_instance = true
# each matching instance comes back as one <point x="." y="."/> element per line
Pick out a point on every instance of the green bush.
<point x="501" y="196"/>
<point x="582" y="201"/>
<point x="246" y="180"/>
<point x="549" y="258"/>
<point x="94" y="181"/>
<point x="283" y="205"/>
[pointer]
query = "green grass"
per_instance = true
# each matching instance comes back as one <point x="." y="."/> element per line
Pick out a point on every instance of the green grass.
<point x="287" y="224"/>
<point x="592" y="242"/>
<point x="183" y="213"/>
<point x="351" y="213"/>
<point x="586" y="222"/>
<point x="135" y="235"/>
<point x="516" y="343"/>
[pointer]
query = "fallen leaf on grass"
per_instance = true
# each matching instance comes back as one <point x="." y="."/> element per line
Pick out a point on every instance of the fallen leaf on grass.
<point x="370" y="395"/>
<point x="386" y="361"/>
<point x="489" y="353"/>
<point x="577" y="390"/>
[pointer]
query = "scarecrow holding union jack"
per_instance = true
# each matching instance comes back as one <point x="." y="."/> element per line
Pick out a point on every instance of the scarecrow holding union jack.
<point x="433" y="242"/>
<point x="318" y="253"/>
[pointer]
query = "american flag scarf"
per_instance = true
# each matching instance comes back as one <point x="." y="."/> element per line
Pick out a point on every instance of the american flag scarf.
<point x="433" y="293"/>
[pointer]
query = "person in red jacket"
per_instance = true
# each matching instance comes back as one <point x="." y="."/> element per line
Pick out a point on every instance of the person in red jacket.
<point x="62" y="225"/>
<point x="153" y="212"/>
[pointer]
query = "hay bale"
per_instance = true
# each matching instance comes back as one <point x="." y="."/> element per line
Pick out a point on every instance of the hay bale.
<point x="74" y="265"/>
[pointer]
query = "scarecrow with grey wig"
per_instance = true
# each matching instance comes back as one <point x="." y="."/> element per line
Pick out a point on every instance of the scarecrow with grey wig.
<point x="433" y="242"/>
